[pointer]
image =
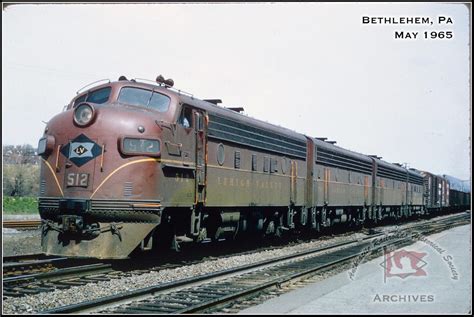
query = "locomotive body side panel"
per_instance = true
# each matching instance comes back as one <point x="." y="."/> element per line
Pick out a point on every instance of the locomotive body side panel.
<point x="343" y="177"/>
<point x="346" y="188"/>
<point x="251" y="165"/>
<point x="391" y="185"/>
<point x="250" y="183"/>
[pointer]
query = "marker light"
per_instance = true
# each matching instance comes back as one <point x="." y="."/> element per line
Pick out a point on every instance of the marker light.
<point x="46" y="145"/>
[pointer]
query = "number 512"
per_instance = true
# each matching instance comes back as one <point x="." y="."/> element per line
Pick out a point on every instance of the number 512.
<point x="77" y="180"/>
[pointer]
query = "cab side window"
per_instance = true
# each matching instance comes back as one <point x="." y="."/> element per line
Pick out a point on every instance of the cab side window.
<point x="186" y="117"/>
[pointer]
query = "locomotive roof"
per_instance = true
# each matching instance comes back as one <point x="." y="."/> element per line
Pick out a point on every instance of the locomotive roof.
<point x="236" y="116"/>
<point x="209" y="107"/>
<point x="457" y="184"/>
<point x="243" y="118"/>
<point x="338" y="149"/>
<point x="363" y="157"/>
<point x="319" y="143"/>
<point x="415" y="172"/>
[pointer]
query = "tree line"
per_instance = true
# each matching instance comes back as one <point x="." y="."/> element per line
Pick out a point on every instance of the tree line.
<point x="21" y="171"/>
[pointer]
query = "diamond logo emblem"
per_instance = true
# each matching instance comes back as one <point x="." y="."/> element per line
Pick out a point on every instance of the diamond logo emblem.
<point x="81" y="150"/>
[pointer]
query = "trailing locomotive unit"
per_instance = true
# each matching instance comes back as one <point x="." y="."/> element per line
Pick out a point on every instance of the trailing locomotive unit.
<point x="130" y="166"/>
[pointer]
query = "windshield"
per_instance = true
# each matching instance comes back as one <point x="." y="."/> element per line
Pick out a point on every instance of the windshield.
<point x="98" y="96"/>
<point x="144" y="98"/>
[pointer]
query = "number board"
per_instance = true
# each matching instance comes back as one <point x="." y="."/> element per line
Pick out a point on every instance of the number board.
<point x="77" y="180"/>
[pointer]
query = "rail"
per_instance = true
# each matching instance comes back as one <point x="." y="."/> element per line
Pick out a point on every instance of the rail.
<point x="21" y="224"/>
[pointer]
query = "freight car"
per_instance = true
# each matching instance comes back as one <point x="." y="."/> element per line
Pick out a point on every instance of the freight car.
<point x="436" y="192"/>
<point x="131" y="165"/>
<point x="459" y="194"/>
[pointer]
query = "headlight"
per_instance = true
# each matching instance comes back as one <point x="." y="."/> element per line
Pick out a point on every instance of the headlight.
<point x="46" y="145"/>
<point x="83" y="114"/>
<point x="133" y="146"/>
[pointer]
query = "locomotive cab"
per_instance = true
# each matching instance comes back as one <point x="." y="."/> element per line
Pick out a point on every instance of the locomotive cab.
<point x="101" y="193"/>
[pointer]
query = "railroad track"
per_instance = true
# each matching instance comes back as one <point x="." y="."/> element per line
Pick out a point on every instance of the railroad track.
<point x="29" y="264"/>
<point x="212" y="291"/>
<point x="36" y="273"/>
<point x="24" y="257"/>
<point x="22" y="224"/>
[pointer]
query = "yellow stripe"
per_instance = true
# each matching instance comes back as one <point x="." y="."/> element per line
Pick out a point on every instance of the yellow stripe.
<point x="54" y="175"/>
<point x="120" y="167"/>
<point x="146" y="205"/>
<point x="102" y="159"/>
<point x="57" y="157"/>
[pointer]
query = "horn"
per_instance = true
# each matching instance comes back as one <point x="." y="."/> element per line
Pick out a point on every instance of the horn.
<point x="122" y="78"/>
<point x="169" y="82"/>
<point x="160" y="79"/>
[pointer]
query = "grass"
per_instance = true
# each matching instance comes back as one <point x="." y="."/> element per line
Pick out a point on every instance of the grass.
<point x="20" y="205"/>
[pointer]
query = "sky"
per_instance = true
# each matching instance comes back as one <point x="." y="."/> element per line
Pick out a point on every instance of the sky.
<point x="312" y="67"/>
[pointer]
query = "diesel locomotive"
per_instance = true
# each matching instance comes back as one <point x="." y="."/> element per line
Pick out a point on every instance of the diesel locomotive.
<point x="133" y="165"/>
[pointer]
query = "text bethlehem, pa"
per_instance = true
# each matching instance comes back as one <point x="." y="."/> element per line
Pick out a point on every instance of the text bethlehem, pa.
<point x="413" y="35"/>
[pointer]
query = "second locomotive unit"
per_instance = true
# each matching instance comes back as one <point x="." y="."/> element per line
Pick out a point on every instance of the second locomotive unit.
<point x="131" y="166"/>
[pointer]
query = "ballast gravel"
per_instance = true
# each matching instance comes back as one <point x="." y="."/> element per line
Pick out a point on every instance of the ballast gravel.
<point x="77" y="294"/>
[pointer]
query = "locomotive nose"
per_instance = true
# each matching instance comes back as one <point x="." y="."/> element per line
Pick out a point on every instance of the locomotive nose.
<point x="102" y="164"/>
<point x="101" y="151"/>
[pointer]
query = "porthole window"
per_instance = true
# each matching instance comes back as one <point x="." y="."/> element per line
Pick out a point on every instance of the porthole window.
<point x="220" y="154"/>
